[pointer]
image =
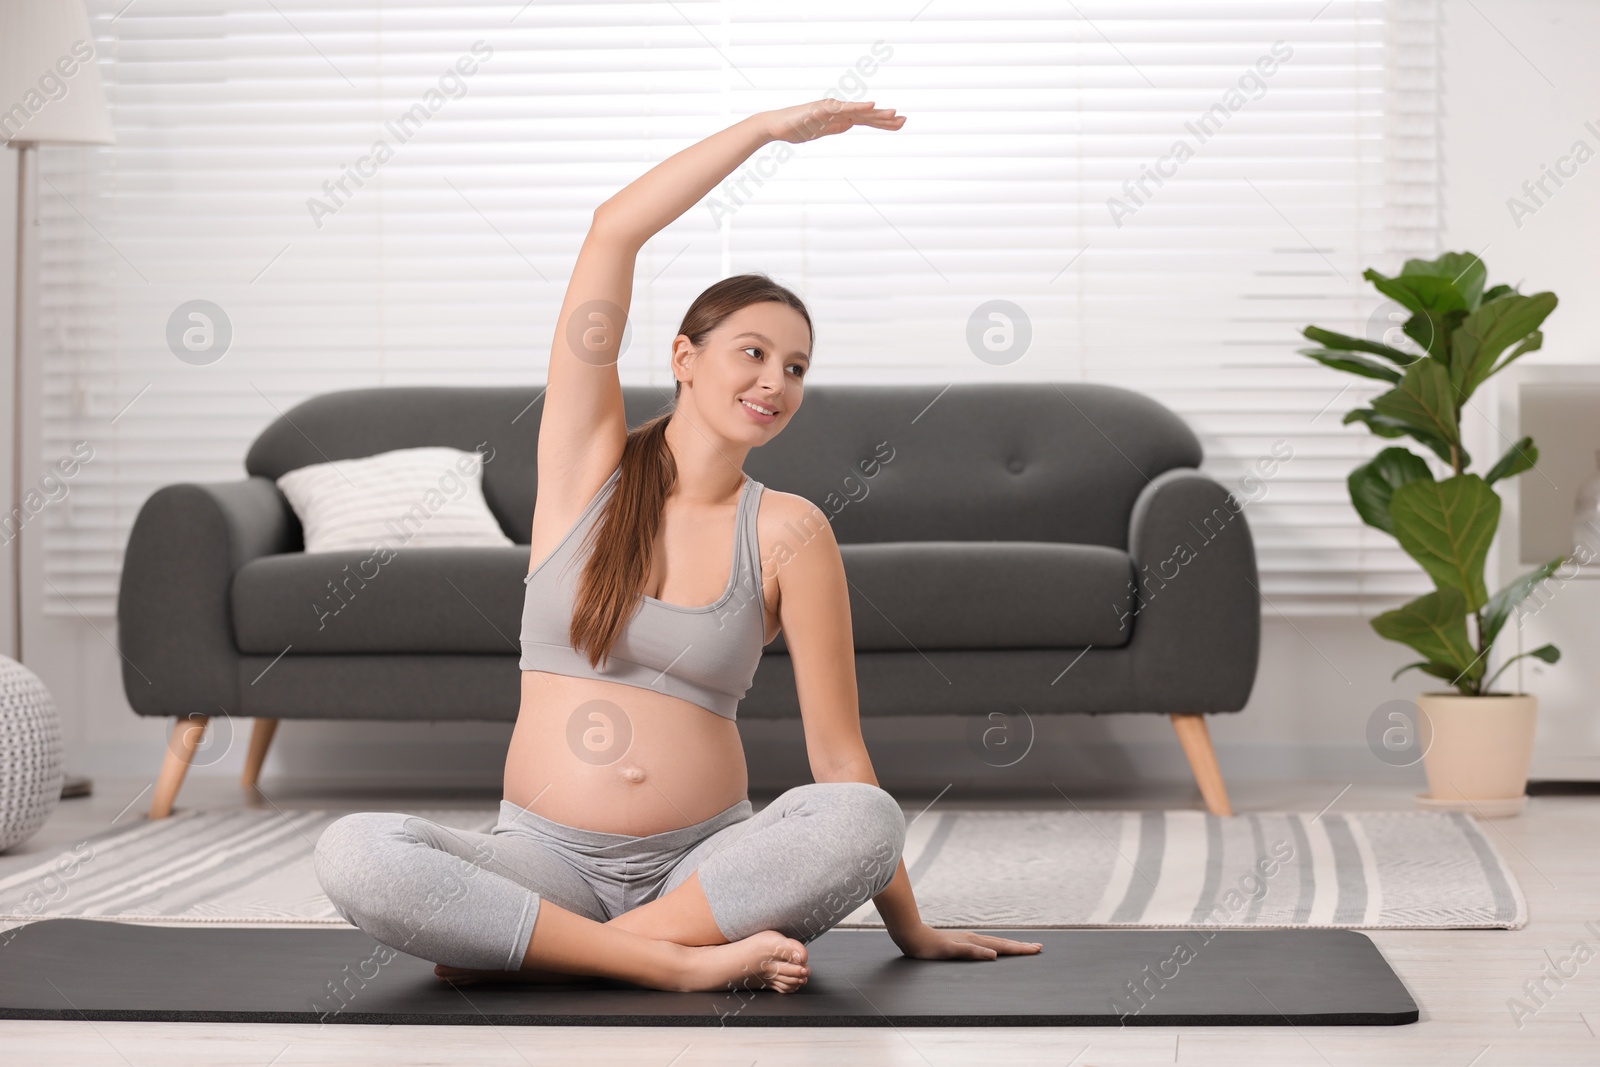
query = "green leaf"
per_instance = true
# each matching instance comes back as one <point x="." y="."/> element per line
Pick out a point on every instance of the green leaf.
<point x="1447" y="527"/>
<point x="1438" y="670"/>
<point x="1423" y="401"/>
<point x="1418" y="292"/>
<point x="1464" y="270"/>
<point x="1548" y="653"/>
<point x="1346" y="343"/>
<point x="1518" y="458"/>
<point x="1435" y="624"/>
<point x="1346" y="361"/>
<point x="1378" y="424"/>
<point x="1384" y="426"/>
<point x="1373" y="483"/>
<point x="1489" y="331"/>
<point x="1431" y="331"/>
<point x="1496" y="293"/>
<point x="1500" y="605"/>
<point x="1532" y="343"/>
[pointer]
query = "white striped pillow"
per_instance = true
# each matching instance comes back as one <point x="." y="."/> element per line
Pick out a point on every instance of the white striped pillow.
<point x="411" y="497"/>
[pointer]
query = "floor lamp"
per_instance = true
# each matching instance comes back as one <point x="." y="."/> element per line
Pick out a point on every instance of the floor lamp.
<point x="50" y="93"/>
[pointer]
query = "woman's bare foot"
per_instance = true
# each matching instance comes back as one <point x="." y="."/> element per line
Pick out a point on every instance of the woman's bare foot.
<point x="763" y="960"/>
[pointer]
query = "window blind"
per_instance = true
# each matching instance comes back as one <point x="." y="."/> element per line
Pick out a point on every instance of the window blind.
<point x="360" y="193"/>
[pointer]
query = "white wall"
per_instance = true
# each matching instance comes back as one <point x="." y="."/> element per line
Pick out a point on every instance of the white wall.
<point x="1519" y="85"/>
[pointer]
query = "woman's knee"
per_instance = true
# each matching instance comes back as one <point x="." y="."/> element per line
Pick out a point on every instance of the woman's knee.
<point x="864" y="860"/>
<point x="345" y="855"/>
<point x="888" y="836"/>
<point x="874" y="813"/>
<point x="876" y="834"/>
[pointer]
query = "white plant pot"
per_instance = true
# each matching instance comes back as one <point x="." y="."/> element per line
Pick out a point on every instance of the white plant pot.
<point x="1476" y="751"/>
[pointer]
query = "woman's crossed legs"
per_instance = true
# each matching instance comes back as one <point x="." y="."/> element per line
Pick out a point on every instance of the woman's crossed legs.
<point x="691" y="908"/>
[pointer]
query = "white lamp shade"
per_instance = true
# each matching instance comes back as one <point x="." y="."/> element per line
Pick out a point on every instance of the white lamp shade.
<point x="50" y="89"/>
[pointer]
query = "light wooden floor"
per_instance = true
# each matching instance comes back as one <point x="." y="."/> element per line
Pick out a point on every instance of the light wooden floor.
<point x="1460" y="979"/>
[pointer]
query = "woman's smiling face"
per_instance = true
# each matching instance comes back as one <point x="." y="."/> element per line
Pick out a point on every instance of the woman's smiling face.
<point x="760" y="355"/>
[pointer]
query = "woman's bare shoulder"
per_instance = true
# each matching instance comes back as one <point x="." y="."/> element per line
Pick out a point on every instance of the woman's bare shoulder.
<point x="788" y="524"/>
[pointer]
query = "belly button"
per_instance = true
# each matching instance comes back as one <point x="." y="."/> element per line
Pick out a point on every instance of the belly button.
<point x="633" y="774"/>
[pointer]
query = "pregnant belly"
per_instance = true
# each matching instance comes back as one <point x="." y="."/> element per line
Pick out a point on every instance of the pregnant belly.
<point x="619" y="759"/>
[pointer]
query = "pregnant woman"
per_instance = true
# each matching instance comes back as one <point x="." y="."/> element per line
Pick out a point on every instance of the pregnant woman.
<point x="626" y="846"/>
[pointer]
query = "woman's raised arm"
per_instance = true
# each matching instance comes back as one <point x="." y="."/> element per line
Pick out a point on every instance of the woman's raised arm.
<point x="652" y="201"/>
<point x="582" y="428"/>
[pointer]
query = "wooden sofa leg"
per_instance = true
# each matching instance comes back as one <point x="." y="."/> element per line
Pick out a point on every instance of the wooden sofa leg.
<point x="260" y="741"/>
<point x="1196" y="742"/>
<point x="186" y="735"/>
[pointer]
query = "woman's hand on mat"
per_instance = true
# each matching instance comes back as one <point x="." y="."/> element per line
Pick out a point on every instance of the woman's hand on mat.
<point x="807" y="122"/>
<point x="928" y="943"/>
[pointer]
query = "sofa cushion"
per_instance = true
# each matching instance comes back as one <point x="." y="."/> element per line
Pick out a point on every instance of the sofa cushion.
<point x="987" y="594"/>
<point x="903" y="595"/>
<point x="412" y="600"/>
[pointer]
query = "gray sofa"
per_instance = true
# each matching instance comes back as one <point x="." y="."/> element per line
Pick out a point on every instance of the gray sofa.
<point x="1038" y="546"/>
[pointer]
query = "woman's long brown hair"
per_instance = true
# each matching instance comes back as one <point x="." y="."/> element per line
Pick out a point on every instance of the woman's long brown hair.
<point x="624" y="536"/>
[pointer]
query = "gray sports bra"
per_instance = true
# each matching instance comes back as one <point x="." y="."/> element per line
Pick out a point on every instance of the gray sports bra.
<point x="706" y="655"/>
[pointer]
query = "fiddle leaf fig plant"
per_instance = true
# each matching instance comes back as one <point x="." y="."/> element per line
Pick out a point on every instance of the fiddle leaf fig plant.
<point x="1461" y="332"/>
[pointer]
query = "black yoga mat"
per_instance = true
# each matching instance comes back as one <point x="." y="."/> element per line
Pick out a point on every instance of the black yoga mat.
<point x="95" y="969"/>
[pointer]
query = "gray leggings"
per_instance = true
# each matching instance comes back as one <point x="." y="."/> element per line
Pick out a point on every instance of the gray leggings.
<point x="469" y="899"/>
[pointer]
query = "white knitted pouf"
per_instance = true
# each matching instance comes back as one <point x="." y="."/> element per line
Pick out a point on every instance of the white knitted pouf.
<point x="30" y="754"/>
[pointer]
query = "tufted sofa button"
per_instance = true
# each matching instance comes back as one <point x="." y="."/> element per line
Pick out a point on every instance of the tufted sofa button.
<point x="1015" y="466"/>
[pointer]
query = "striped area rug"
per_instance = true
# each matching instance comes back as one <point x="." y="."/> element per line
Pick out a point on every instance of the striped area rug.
<point x="1372" y="870"/>
<point x="991" y="869"/>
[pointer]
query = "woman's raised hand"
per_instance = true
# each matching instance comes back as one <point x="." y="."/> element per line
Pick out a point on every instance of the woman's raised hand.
<point x="807" y="122"/>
